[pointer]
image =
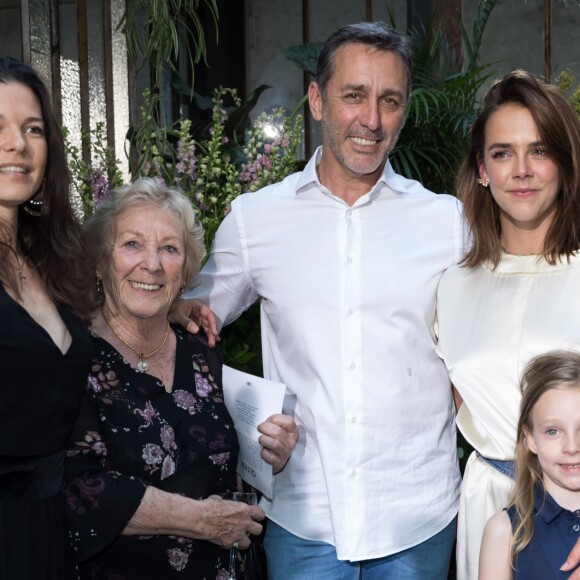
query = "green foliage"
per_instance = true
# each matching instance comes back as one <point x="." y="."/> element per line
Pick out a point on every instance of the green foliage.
<point x="201" y="112"/>
<point x="565" y="82"/>
<point x="442" y="106"/>
<point x="472" y="46"/>
<point x="304" y="56"/>
<point x="224" y="161"/>
<point x="241" y="342"/>
<point x="153" y="28"/>
<point x="440" y="111"/>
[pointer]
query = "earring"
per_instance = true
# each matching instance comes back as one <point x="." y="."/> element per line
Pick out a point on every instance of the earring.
<point x="99" y="289"/>
<point x="484" y="182"/>
<point x="33" y="206"/>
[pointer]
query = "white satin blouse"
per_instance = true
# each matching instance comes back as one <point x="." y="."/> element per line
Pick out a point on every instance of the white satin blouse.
<point x="490" y="324"/>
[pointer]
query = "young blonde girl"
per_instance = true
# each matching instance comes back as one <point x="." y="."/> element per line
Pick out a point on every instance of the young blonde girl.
<point x="531" y="539"/>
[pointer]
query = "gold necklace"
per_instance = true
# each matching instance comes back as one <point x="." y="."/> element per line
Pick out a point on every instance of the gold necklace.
<point x="142" y="366"/>
<point x="502" y="248"/>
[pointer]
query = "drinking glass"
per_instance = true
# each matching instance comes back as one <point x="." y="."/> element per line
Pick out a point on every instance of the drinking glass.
<point x="251" y="499"/>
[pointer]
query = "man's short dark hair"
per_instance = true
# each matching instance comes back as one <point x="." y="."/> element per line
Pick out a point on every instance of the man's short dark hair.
<point x="377" y="35"/>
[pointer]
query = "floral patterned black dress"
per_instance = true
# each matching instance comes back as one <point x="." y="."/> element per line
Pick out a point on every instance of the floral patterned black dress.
<point x="130" y="434"/>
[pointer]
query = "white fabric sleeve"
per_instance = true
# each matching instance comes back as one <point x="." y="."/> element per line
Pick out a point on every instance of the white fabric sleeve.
<point x="224" y="282"/>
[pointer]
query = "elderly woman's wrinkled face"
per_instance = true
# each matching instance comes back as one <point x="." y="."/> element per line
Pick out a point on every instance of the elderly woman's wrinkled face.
<point x="148" y="257"/>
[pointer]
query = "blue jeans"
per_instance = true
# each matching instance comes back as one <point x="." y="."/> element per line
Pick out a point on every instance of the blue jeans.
<point x="292" y="558"/>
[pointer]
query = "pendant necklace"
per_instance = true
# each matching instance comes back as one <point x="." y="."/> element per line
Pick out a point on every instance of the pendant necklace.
<point x="21" y="276"/>
<point x="142" y="366"/>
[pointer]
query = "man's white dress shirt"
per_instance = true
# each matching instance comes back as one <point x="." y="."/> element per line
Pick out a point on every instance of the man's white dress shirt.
<point x="347" y="307"/>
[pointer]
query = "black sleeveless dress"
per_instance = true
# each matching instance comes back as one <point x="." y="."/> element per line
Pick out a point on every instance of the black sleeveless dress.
<point x="40" y="393"/>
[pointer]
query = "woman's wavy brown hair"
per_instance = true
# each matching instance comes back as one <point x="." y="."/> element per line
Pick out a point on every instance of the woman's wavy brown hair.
<point x="559" y="129"/>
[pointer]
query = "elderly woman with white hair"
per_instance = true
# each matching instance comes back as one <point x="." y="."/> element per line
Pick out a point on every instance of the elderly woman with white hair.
<point x="154" y="446"/>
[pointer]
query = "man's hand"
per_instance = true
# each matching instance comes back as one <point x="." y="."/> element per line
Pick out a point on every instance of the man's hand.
<point x="572" y="561"/>
<point x="193" y="315"/>
<point x="278" y="439"/>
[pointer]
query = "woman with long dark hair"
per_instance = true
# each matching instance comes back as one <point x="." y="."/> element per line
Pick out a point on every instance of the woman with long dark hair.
<point x="44" y="348"/>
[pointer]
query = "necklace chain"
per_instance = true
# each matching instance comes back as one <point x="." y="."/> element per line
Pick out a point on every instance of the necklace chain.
<point x="503" y="249"/>
<point x="142" y="366"/>
<point x="21" y="277"/>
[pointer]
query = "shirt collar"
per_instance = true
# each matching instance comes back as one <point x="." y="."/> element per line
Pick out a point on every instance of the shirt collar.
<point x="388" y="177"/>
<point x="546" y="506"/>
<point x="512" y="264"/>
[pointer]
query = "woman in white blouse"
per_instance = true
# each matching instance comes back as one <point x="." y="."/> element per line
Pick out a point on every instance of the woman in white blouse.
<point x="517" y="293"/>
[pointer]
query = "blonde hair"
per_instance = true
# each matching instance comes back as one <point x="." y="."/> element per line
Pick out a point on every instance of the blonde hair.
<point x="558" y="369"/>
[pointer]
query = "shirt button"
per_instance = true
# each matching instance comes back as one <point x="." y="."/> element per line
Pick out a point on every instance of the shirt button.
<point x="353" y="472"/>
<point x="349" y="260"/>
<point x="350" y="311"/>
<point x="354" y="419"/>
<point x="576" y="527"/>
<point x="349" y="213"/>
<point x="352" y="365"/>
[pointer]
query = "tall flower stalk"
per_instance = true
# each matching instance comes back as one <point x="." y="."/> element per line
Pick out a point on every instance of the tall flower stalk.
<point x="93" y="181"/>
<point x="214" y="170"/>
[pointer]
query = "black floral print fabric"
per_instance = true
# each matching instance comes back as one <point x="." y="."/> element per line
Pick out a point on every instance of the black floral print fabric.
<point x="132" y="433"/>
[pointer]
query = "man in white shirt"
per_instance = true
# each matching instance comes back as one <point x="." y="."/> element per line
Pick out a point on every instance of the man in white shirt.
<point x="345" y="258"/>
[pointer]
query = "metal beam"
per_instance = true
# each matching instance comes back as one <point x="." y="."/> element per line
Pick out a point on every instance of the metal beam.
<point x="306" y="78"/>
<point x="25" y="31"/>
<point x="84" y="72"/>
<point x="55" y="59"/>
<point x="548" y="41"/>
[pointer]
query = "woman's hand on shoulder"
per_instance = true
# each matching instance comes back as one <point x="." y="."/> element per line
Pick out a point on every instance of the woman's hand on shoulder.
<point x="193" y="315"/>
<point x="226" y="523"/>
<point x="494" y="560"/>
<point x="278" y="439"/>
